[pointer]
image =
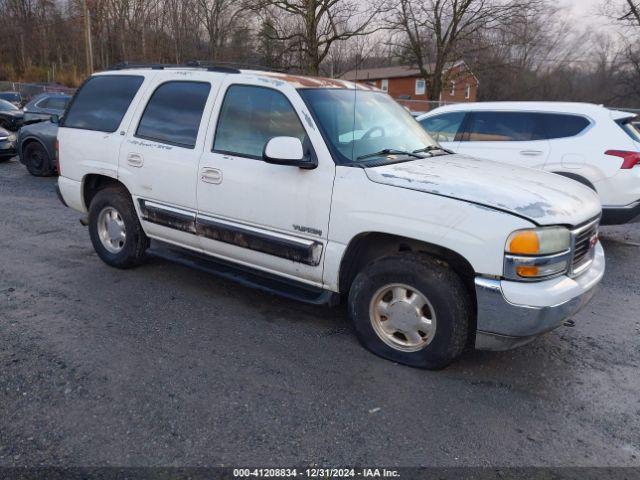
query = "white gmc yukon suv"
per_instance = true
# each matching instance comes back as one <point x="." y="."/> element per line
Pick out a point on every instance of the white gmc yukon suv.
<point x="319" y="188"/>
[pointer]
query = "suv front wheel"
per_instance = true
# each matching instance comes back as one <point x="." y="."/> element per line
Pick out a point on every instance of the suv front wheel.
<point x="115" y="231"/>
<point x="411" y="309"/>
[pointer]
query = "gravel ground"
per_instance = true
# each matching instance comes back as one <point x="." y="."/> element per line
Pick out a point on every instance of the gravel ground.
<point x="163" y="365"/>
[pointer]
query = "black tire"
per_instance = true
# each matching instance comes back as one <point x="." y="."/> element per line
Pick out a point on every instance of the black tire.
<point x="132" y="252"/>
<point x="434" y="280"/>
<point x="37" y="160"/>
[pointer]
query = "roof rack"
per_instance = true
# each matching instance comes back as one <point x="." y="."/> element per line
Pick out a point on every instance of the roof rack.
<point x="222" y="67"/>
<point x="162" y="66"/>
<point x="232" y="65"/>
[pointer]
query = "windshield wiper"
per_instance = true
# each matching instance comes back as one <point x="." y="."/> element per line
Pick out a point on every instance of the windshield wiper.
<point x="431" y="148"/>
<point x="388" y="151"/>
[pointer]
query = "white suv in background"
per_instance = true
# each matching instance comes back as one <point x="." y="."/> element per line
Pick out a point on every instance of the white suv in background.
<point x="589" y="143"/>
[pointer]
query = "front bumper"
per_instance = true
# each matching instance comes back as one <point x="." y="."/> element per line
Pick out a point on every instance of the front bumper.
<point x="8" y="150"/>
<point x="621" y="215"/>
<point x="514" y="313"/>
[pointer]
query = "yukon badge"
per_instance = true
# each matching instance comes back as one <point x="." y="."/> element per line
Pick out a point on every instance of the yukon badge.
<point x="311" y="230"/>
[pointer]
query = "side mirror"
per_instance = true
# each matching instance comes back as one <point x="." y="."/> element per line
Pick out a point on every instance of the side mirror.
<point x="55" y="119"/>
<point x="286" y="151"/>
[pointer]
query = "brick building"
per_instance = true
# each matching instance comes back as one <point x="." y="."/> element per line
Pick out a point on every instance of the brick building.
<point x="405" y="83"/>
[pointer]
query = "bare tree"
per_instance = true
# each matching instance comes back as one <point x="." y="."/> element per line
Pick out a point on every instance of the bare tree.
<point x="431" y="33"/>
<point x="219" y="18"/>
<point x="312" y="27"/>
<point x="630" y="12"/>
<point x="512" y="61"/>
<point x="627" y="14"/>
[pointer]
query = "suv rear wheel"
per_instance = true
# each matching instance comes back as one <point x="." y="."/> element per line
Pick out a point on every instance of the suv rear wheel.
<point x="411" y="309"/>
<point x="37" y="160"/>
<point x="115" y="231"/>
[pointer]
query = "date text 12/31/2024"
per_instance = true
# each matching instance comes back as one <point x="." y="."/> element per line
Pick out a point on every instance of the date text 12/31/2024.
<point x="315" y="473"/>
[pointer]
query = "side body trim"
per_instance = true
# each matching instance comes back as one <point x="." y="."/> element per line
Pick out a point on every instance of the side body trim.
<point x="167" y="216"/>
<point x="280" y="245"/>
<point x="271" y="243"/>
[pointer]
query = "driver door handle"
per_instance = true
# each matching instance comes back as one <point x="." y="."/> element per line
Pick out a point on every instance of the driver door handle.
<point x="211" y="175"/>
<point x="135" y="159"/>
<point x="531" y="153"/>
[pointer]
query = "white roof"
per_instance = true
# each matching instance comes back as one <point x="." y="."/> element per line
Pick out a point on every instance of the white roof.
<point x="297" y="81"/>
<point x="588" y="109"/>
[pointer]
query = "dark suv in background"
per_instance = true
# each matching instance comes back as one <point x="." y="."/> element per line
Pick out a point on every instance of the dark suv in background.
<point x="36" y="148"/>
<point x="44" y="106"/>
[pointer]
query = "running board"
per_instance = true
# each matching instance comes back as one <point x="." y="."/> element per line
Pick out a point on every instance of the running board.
<point x="246" y="276"/>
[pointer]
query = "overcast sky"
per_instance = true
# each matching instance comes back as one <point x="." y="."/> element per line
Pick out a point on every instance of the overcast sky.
<point x="589" y="12"/>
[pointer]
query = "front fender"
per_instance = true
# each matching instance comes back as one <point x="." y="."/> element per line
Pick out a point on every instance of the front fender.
<point x="476" y="233"/>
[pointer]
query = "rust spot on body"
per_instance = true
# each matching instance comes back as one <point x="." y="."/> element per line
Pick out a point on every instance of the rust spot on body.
<point x="300" y="81"/>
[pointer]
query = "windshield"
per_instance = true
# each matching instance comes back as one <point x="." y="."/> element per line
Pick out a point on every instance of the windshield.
<point x="4" y="105"/>
<point x="361" y="125"/>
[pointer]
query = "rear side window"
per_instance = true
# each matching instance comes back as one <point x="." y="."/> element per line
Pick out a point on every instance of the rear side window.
<point x="102" y="102"/>
<point x="443" y="128"/>
<point x="559" y="125"/>
<point x="54" y="103"/>
<point x="250" y="117"/>
<point x="174" y="112"/>
<point x="504" y="127"/>
<point x="631" y="126"/>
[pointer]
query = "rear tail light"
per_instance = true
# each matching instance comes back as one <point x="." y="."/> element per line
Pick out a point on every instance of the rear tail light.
<point x="630" y="159"/>
<point x="56" y="156"/>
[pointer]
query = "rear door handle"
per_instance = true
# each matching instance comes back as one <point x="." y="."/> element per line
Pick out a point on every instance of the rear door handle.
<point x="211" y="175"/>
<point x="135" y="160"/>
<point x="531" y="153"/>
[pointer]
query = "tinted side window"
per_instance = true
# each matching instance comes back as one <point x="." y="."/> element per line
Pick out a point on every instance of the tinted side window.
<point x="11" y="97"/>
<point x="174" y="112"/>
<point x="631" y="127"/>
<point x="443" y="128"/>
<point x="44" y="103"/>
<point x="250" y="117"/>
<point x="505" y="127"/>
<point x="102" y="102"/>
<point x="57" y="103"/>
<point x="563" y="126"/>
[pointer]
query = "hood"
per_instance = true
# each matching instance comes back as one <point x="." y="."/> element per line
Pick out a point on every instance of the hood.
<point x="544" y="198"/>
<point x="13" y="113"/>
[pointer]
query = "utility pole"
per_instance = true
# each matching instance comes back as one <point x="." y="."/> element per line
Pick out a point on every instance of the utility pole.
<point x="88" y="47"/>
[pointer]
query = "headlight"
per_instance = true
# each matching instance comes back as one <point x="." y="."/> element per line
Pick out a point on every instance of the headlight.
<point x="537" y="253"/>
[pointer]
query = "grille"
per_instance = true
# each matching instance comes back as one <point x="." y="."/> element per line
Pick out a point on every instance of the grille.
<point x="582" y="248"/>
